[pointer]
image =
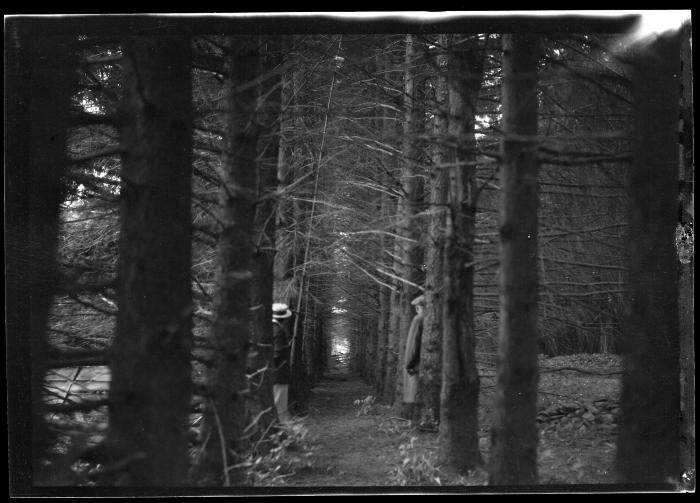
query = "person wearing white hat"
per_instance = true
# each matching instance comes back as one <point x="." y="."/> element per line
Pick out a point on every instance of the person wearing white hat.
<point x="281" y="352"/>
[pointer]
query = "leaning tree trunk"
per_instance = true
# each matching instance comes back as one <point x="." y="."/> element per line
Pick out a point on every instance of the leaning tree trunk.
<point x="648" y="445"/>
<point x="39" y="81"/>
<point x="459" y="415"/>
<point x="514" y="432"/>
<point x="150" y="357"/>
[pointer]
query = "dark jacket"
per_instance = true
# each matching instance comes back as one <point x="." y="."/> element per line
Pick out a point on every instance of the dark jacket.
<point x="281" y="352"/>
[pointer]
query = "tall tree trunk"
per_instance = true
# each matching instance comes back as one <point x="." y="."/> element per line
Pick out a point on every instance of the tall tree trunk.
<point x="407" y="249"/>
<point x="260" y="360"/>
<point x="372" y="346"/>
<point x="310" y="342"/>
<point x="323" y="353"/>
<point x="230" y="333"/>
<point x="299" y="387"/>
<point x="382" y="337"/>
<point x="458" y="440"/>
<point x="386" y="358"/>
<point x="289" y="255"/>
<point x="285" y="236"/>
<point x="150" y="358"/>
<point x="687" y="262"/>
<point x="514" y="431"/>
<point x="648" y="445"/>
<point x="39" y="79"/>
<point x="431" y="344"/>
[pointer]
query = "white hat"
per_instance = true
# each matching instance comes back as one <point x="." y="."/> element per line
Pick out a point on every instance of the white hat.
<point x="280" y="311"/>
<point x="419" y="301"/>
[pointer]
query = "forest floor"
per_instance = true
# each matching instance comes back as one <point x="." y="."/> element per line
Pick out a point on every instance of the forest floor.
<point x="349" y="445"/>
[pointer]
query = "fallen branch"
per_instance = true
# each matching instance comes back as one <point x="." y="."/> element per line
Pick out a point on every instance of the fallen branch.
<point x="77" y="359"/>
<point x="222" y="441"/>
<point x="84" y="406"/>
<point x="576" y="369"/>
<point x="257" y="418"/>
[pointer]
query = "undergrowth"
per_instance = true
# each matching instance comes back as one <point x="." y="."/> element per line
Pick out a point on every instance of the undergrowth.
<point x="279" y="456"/>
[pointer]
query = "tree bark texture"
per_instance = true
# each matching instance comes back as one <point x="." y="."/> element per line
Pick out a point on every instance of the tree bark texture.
<point x="299" y="387"/>
<point x="648" y="444"/>
<point x="687" y="259"/>
<point x="384" y="353"/>
<point x="382" y="337"/>
<point x="312" y="335"/>
<point x="225" y="411"/>
<point x="459" y="416"/>
<point x="260" y="362"/>
<point x="514" y="431"/>
<point x="430" y="375"/>
<point x="39" y="78"/>
<point x="150" y="357"/>
<point x="407" y="248"/>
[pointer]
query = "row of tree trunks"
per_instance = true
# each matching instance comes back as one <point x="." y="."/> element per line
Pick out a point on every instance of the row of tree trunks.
<point x="382" y="334"/>
<point x="150" y="360"/>
<point x="313" y="336"/>
<point x="150" y="387"/>
<point x="288" y="284"/>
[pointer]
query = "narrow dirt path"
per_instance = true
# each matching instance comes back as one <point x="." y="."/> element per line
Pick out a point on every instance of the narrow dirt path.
<point x="577" y="422"/>
<point x="348" y="450"/>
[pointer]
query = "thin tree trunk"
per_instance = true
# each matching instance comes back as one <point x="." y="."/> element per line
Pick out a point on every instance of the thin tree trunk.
<point x="230" y="333"/>
<point x="150" y="358"/>
<point x="458" y="440"/>
<point x="290" y="247"/>
<point x="372" y="347"/>
<point x="299" y="386"/>
<point x="387" y="357"/>
<point x="323" y="353"/>
<point x="514" y="431"/>
<point x="382" y="337"/>
<point x="648" y="445"/>
<point x="39" y="79"/>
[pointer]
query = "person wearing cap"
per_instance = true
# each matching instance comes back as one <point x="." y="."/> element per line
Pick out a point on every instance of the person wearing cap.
<point x="281" y="352"/>
<point x="412" y="358"/>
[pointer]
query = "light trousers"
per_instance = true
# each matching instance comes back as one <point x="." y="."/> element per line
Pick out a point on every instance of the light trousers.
<point x="281" y="394"/>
